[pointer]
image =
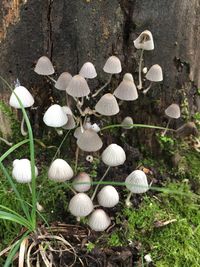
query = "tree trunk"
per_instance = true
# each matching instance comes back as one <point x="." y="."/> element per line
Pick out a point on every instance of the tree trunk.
<point x="73" y="32"/>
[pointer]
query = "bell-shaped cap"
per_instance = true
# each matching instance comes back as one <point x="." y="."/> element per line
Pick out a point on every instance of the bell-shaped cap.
<point x="112" y="65"/>
<point x="55" y="116"/>
<point x="127" y="121"/>
<point x="126" y="90"/>
<point x="22" y="171"/>
<point x="78" y="131"/>
<point x="44" y="66"/>
<point x="173" y="111"/>
<point x="78" y="87"/>
<point x="128" y="77"/>
<point x="113" y="155"/>
<point x="82" y="182"/>
<point x="71" y="124"/>
<point x="107" y="105"/>
<point x="24" y="95"/>
<point x="155" y="73"/>
<point x="60" y="171"/>
<point x="108" y="197"/>
<point x="81" y="205"/>
<point x="88" y="71"/>
<point x="99" y="220"/>
<point x="137" y="182"/>
<point x="89" y="141"/>
<point x="63" y="81"/>
<point x="144" y="41"/>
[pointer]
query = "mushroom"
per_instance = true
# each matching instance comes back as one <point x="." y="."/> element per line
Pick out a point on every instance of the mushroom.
<point x="154" y="75"/>
<point x="44" y="66"/>
<point x="63" y="81"/>
<point x="71" y="124"/>
<point x="137" y="183"/>
<point x="82" y="182"/>
<point x="55" y="116"/>
<point x="108" y="197"/>
<point x="107" y="105"/>
<point x="126" y="90"/>
<point x="26" y="99"/>
<point x="89" y="141"/>
<point x="78" y="87"/>
<point x="173" y="112"/>
<point x="81" y="205"/>
<point x="22" y="171"/>
<point x="88" y="71"/>
<point x="99" y="220"/>
<point x="127" y="123"/>
<point x="144" y="42"/>
<point x="128" y="77"/>
<point x="60" y="171"/>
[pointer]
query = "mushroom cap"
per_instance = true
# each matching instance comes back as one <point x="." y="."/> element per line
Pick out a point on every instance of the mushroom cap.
<point x="81" y="205"/>
<point x="128" y="77"/>
<point x="126" y="91"/>
<point x="107" y="105"/>
<point x="144" y="41"/>
<point x="44" y="66"/>
<point x="24" y="95"/>
<point x="173" y="111"/>
<point x="78" y="87"/>
<point x="112" y="65"/>
<point x="95" y="127"/>
<point x="89" y="141"/>
<point x="88" y="71"/>
<point x="78" y="132"/>
<point x="82" y="182"/>
<point x="55" y="116"/>
<point x="60" y="171"/>
<point x="137" y="182"/>
<point x="71" y="124"/>
<point x="155" y="73"/>
<point x="22" y="171"/>
<point x="126" y="121"/>
<point x="63" y="81"/>
<point x="108" y="196"/>
<point x="113" y="155"/>
<point x="99" y="220"/>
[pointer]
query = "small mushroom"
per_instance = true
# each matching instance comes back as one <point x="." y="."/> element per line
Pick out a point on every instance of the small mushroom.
<point x="108" y="197"/>
<point x="81" y="205"/>
<point x="127" y="123"/>
<point x="154" y="75"/>
<point x="107" y="105"/>
<point x="71" y="124"/>
<point x="82" y="182"/>
<point x="55" y="116"/>
<point x="89" y="141"/>
<point x="60" y="171"/>
<point x="112" y="65"/>
<point x="88" y="71"/>
<point x="173" y="112"/>
<point x="113" y="155"/>
<point x="44" y="66"/>
<point x="99" y="220"/>
<point x="78" y="87"/>
<point x="63" y="81"/>
<point x="22" y="171"/>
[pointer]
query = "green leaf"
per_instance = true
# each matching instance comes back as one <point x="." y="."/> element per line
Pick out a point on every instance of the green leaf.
<point x="15" y="218"/>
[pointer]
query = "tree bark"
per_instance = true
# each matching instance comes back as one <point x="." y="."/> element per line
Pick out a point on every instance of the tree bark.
<point x="73" y="32"/>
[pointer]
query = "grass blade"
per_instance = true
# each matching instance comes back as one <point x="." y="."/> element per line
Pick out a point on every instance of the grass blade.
<point x="15" y="218"/>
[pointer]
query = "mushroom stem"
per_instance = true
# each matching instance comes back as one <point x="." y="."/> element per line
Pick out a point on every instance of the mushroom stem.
<point x="147" y="89"/>
<point x="128" y="202"/>
<point x="51" y="79"/>
<point x="95" y="190"/>
<point x="140" y="70"/>
<point x="82" y="101"/>
<point x="100" y="89"/>
<point x="23" y="132"/>
<point x="6" y="142"/>
<point x="167" y="127"/>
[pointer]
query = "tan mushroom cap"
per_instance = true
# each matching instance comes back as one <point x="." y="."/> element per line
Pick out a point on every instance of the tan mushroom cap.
<point x="88" y="71"/>
<point x="78" y="87"/>
<point x="126" y="90"/>
<point x="107" y="105"/>
<point x="63" y="81"/>
<point x="155" y="73"/>
<point x="144" y="41"/>
<point x="89" y="141"/>
<point x="44" y="66"/>
<point x="173" y="111"/>
<point x="112" y="65"/>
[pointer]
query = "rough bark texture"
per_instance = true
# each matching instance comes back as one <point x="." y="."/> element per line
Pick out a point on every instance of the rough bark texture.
<point x="72" y="32"/>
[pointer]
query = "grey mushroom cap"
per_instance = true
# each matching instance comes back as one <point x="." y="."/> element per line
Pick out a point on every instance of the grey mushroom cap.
<point x="89" y="141"/>
<point x="78" y="87"/>
<point x="81" y="205"/>
<point x="44" y="66"/>
<point x="71" y="124"/>
<point x="107" y="105"/>
<point x="99" y="220"/>
<point x="126" y="121"/>
<point x="155" y="73"/>
<point x="112" y="65"/>
<point x="128" y="77"/>
<point x="126" y="91"/>
<point x="137" y="182"/>
<point x="63" y="81"/>
<point x="88" y="71"/>
<point x="173" y="111"/>
<point x="144" y="41"/>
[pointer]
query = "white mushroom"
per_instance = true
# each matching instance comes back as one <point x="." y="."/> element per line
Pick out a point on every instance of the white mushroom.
<point x="108" y="197"/>
<point x="99" y="220"/>
<point x="55" y="116"/>
<point x="22" y="171"/>
<point x="80" y="205"/>
<point x="60" y="171"/>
